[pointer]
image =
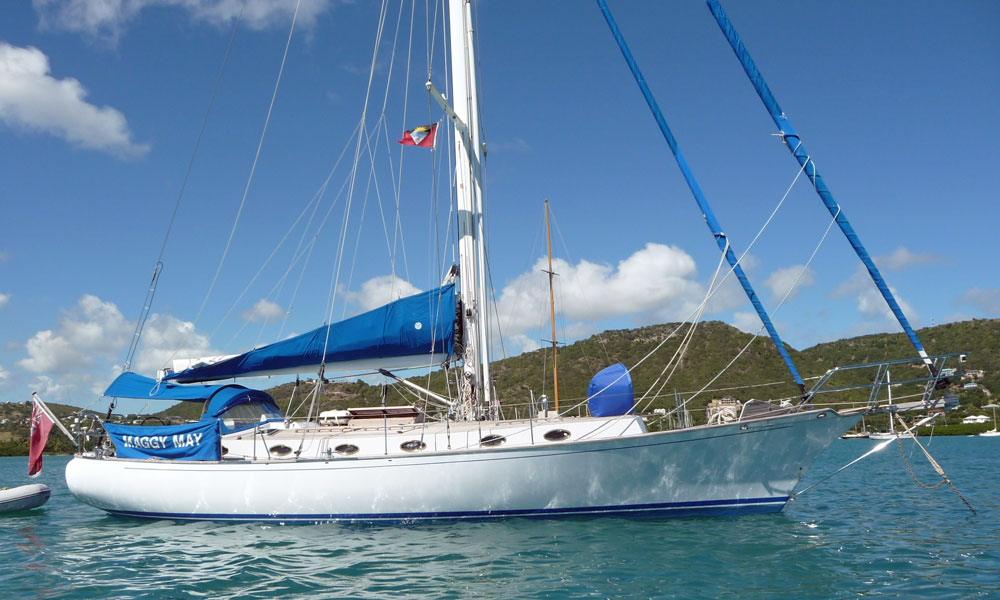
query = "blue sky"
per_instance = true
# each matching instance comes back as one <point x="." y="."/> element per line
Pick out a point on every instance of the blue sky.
<point x="101" y="103"/>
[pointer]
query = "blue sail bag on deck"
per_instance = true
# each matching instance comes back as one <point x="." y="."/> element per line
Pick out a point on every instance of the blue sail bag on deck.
<point x="610" y="392"/>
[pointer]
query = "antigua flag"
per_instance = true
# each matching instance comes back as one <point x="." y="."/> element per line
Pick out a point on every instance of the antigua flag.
<point x="41" y="424"/>
<point x="422" y="136"/>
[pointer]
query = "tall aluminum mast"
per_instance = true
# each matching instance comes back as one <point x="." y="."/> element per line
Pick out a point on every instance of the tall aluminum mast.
<point x="476" y="390"/>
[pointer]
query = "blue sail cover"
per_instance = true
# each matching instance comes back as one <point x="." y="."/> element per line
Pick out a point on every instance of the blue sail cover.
<point x="195" y="441"/>
<point x="132" y="385"/>
<point x="617" y="399"/>
<point x="415" y="326"/>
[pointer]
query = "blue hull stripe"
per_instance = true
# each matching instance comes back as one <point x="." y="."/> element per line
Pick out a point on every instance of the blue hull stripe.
<point x="702" y="507"/>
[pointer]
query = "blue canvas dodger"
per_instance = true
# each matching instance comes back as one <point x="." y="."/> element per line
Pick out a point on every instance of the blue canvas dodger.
<point x="197" y="441"/>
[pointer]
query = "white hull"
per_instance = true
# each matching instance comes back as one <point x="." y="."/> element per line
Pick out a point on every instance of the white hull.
<point x="24" y="497"/>
<point x="725" y="469"/>
<point x="890" y="436"/>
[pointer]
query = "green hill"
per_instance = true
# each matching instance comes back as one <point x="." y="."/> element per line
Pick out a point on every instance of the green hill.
<point x="713" y="346"/>
<point x="14" y="427"/>
<point x="759" y="373"/>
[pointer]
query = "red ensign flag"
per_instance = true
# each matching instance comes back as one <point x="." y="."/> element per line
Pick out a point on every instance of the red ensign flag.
<point x="41" y="424"/>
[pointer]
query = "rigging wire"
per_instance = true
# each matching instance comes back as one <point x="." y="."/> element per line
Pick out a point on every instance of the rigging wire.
<point x="321" y="226"/>
<point x="246" y="189"/>
<point x="148" y="302"/>
<point x="761" y="329"/>
<point x="158" y="267"/>
<point x="709" y="294"/>
<point x="602" y="343"/>
<point x="335" y="279"/>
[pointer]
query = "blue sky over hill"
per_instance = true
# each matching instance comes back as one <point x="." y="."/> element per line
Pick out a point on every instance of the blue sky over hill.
<point x="101" y="104"/>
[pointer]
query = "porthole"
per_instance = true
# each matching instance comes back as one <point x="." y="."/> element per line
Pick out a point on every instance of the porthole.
<point x="225" y="451"/>
<point x="557" y="435"/>
<point x="280" y="450"/>
<point x="492" y="440"/>
<point x="346" y="449"/>
<point x="412" y="446"/>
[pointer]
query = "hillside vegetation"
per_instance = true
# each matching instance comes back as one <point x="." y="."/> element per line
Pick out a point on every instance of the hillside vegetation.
<point x="759" y="373"/>
<point x="714" y="345"/>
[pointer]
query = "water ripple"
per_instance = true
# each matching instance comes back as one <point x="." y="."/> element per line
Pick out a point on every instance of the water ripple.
<point x="869" y="532"/>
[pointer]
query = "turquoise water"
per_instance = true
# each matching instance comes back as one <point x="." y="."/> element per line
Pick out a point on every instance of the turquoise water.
<point x="869" y="532"/>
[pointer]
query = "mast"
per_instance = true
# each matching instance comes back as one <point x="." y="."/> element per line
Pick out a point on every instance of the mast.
<point x="706" y="210"/>
<point x="888" y="385"/>
<point x="476" y="390"/>
<point x="552" y="312"/>
<point x="794" y="144"/>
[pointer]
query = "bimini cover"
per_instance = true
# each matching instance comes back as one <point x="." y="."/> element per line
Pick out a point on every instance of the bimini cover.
<point x="195" y="441"/>
<point x="617" y="399"/>
<point x="417" y="326"/>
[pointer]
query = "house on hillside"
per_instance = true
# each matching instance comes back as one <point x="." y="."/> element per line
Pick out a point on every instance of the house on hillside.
<point x="975" y="420"/>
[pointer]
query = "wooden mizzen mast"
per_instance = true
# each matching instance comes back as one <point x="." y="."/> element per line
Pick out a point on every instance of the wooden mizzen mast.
<point x="552" y="311"/>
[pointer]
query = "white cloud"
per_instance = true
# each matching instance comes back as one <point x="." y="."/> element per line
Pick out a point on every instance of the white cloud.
<point x="381" y="290"/>
<point x="4" y="256"/>
<point x="76" y="360"/>
<point x="4" y="375"/>
<point x="108" y="19"/>
<point x="987" y="301"/>
<point x="93" y="329"/>
<point x="263" y="310"/>
<point x="519" y="343"/>
<point x="873" y="306"/>
<point x="4" y="299"/>
<point x="94" y="334"/>
<point x="857" y="282"/>
<point x="748" y="322"/>
<point x="902" y="258"/>
<point x="30" y="98"/>
<point x="654" y="284"/>
<point x="514" y="145"/>
<point x="49" y="388"/>
<point x="782" y="280"/>
<point x="165" y="337"/>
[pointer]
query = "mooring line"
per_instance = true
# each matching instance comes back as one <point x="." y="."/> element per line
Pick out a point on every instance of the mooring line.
<point x="934" y="463"/>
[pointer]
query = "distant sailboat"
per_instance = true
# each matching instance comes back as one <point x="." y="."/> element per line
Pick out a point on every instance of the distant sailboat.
<point x="863" y="434"/>
<point x="892" y="433"/>
<point x="992" y="432"/>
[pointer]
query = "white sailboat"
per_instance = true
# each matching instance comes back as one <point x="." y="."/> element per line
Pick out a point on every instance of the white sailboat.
<point x="892" y="433"/>
<point x="992" y="432"/>
<point x="245" y="461"/>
